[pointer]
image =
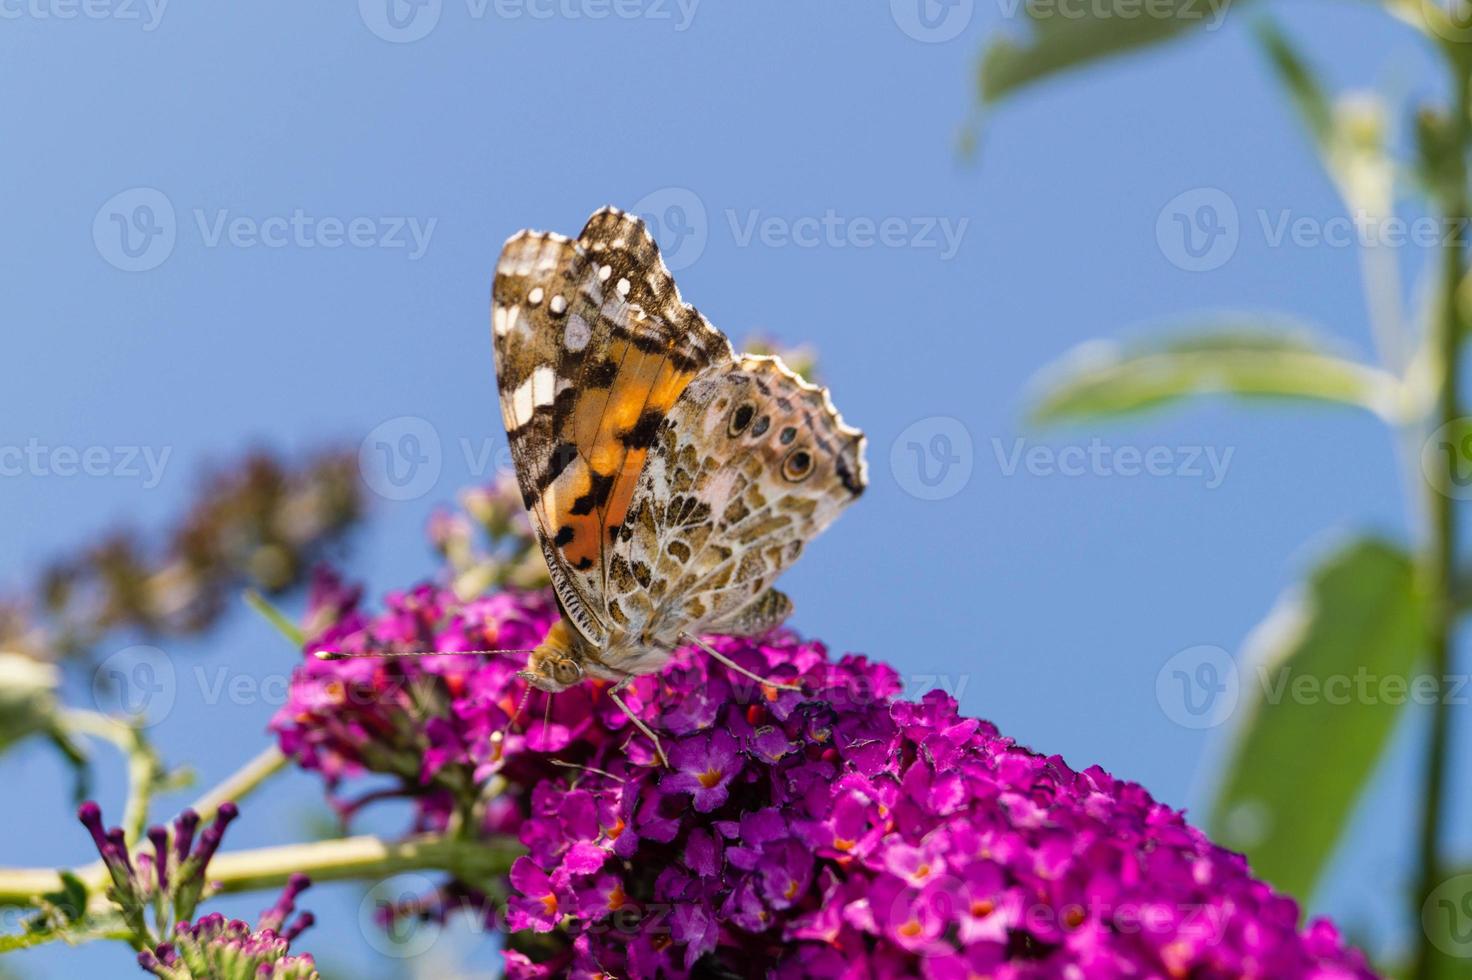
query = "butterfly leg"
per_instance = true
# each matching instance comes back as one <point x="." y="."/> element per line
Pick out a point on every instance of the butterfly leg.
<point x="733" y="665"/>
<point x="638" y="722"/>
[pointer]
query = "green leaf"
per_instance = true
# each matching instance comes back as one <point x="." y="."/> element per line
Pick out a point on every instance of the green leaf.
<point x="1059" y="39"/>
<point x="275" y="617"/>
<point x="1238" y="358"/>
<point x="1331" y="670"/>
<point x="89" y="929"/>
<point x="1299" y="79"/>
<point x="70" y="901"/>
<point x="1445" y="917"/>
<point x="62" y="916"/>
<point x="1439" y="165"/>
<point x="27" y="697"/>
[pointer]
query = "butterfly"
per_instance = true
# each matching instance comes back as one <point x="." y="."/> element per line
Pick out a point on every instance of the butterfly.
<point x="669" y="479"/>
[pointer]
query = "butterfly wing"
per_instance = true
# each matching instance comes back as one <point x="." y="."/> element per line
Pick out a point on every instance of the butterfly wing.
<point x="593" y="348"/>
<point x="751" y="463"/>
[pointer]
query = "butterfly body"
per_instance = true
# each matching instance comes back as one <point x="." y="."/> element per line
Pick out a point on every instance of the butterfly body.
<point x="670" y="479"/>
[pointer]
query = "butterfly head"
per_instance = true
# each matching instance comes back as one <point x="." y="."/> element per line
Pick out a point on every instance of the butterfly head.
<point x="551" y="670"/>
<point x="554" y="665"/>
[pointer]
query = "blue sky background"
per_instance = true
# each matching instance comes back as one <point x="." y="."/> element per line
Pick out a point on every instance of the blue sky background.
<point x="1054" y="600"/>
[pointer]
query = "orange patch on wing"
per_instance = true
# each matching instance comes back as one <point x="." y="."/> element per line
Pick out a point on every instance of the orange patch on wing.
<point x="644" y="383"/>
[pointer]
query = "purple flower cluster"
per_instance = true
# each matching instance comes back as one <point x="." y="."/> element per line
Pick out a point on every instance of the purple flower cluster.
<point x="838" y="832"/>
<point x="435" y="723"/>
<point x="169" y="879"/>
<point x="216" y="948"/>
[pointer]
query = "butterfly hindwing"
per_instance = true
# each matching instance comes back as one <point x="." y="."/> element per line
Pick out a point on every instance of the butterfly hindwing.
<point x="593" y="348"/>
<point x="750" y="464"/>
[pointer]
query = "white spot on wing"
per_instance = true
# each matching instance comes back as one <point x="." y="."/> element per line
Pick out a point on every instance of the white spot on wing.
<point x="535" y="296"/>
<point x="542" y="381"/>
<point x="575" y="336"/>
<point x="503" y="318"/>
<point x="521" y="403"/>
<point x="558" y="306"/>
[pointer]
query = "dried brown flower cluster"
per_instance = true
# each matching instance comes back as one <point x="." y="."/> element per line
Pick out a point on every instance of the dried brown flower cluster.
<point x="260" y="522"/>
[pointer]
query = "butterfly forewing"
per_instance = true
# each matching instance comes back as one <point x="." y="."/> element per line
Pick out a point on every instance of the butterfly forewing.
<point x="593" y="349"/>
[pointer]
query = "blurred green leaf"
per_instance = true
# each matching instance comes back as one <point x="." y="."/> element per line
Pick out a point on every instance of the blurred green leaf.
<point x="1238" y="358"/>
<point x="1325" y="679"/>
<point x="1058" y="41"/>
<point x="63" y="916"/>
<point x="1446" y="919"/>
<point x="1439" y="166"/>
<point x="1299" y="79"/>
<point x="89" y="929"/>
<point x="27" y="697"/>
<point x="275" y="617"/>
<point x="1349" y="130"/>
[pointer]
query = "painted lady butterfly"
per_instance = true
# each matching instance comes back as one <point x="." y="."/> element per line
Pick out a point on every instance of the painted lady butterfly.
<point x="670" y="480"/>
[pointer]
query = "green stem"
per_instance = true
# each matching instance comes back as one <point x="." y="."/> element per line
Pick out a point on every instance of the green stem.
<point x="144" y="767"/>
<point x="241" y="783"/>
<point x="334" y="860"/>
<point x="1443" y="544"/>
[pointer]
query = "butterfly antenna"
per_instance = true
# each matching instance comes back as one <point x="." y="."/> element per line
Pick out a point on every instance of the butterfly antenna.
<point x="382" y="654"/>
